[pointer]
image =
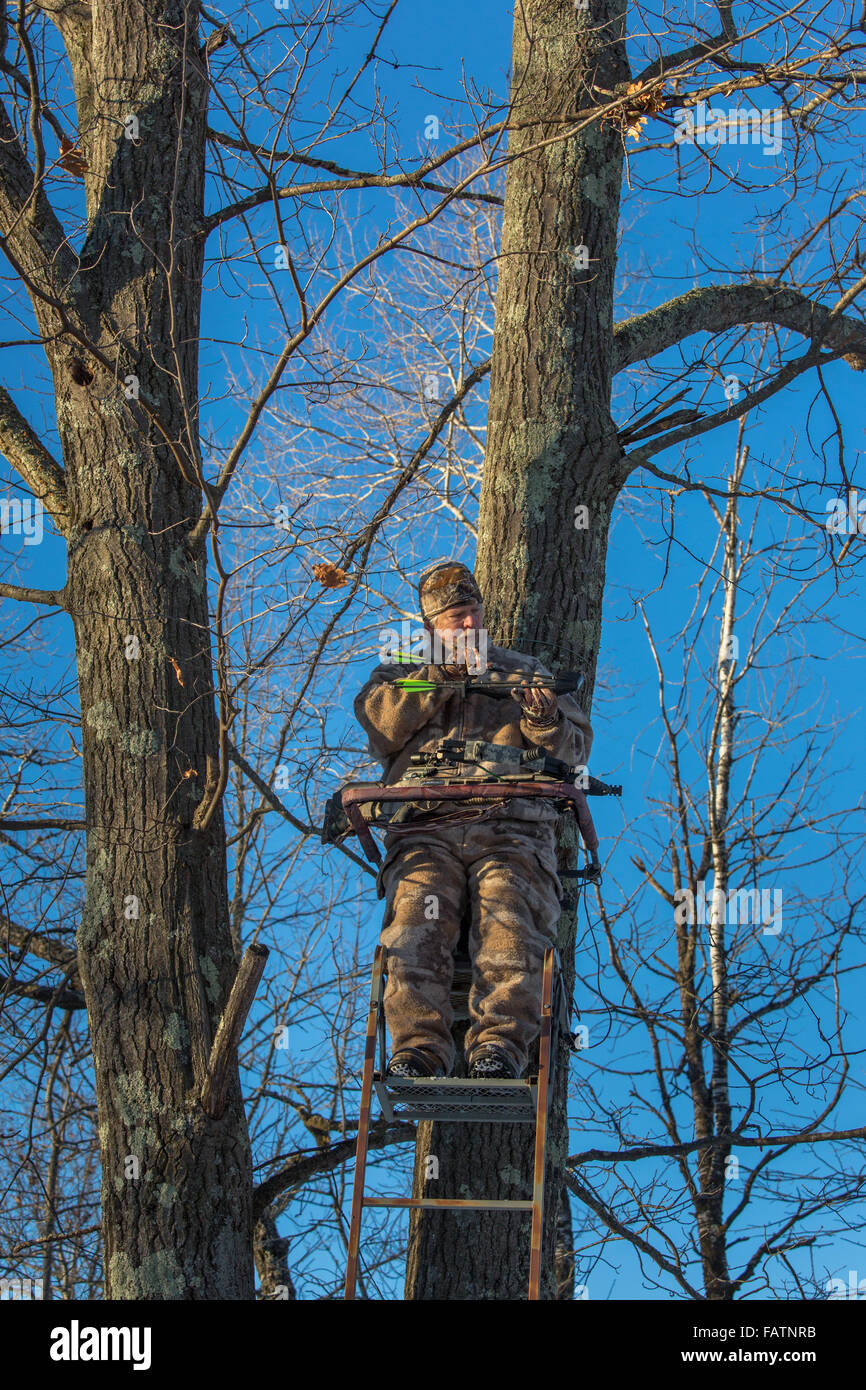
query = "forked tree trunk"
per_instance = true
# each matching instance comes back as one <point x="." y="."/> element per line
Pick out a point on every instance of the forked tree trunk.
<point x="551" y="449"/>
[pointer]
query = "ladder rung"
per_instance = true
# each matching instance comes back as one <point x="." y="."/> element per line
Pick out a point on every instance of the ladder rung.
<point x="444" y="1202"/>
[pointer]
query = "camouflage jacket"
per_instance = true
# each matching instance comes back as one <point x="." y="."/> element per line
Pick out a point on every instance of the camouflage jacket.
<point x="399" y="723"/>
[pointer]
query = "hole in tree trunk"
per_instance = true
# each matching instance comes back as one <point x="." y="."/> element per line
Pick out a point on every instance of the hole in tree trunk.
<point x="81" y="374"/>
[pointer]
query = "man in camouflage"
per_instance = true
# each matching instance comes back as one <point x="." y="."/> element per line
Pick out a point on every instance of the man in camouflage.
<point x="501" y="863"/>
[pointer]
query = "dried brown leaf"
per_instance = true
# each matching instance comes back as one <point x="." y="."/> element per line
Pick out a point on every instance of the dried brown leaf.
<point x="330" y="576"/>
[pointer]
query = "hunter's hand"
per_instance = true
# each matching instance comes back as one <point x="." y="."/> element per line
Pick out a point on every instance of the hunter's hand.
<point x="539" y="703"/>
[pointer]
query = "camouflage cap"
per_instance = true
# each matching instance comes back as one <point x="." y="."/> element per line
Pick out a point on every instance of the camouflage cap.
<point x="447" y="584"/>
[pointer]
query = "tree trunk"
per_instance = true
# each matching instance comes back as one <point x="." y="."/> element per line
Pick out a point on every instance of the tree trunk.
<point x="713" y="1166"/>
<point x="154" y="945"/>
<point x="551" y="450"/>
<point x="564" y="1253"/>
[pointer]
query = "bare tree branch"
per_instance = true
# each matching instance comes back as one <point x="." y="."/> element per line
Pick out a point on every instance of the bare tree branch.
<point x="43" y="994"/>
<point x="50" y="823"/>
<point x="305" y="1165"/>
<point x="32" y="461"/>
<point x="41" y="944"/>
<point x="715" y="308"/>
<point x="607" y="1216"/>
<point x="53" y="597"/>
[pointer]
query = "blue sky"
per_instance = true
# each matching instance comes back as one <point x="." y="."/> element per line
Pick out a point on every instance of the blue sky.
<point x="669" y="245"/>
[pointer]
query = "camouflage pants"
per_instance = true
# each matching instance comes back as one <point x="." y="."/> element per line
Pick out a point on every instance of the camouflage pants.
<point x="504" y="870"/>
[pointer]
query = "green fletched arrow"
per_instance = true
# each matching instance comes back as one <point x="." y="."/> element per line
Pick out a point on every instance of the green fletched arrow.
<point x="567" y="684"/>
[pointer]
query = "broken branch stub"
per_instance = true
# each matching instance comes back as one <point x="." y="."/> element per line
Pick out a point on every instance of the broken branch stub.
<point x="228" y="1034"/>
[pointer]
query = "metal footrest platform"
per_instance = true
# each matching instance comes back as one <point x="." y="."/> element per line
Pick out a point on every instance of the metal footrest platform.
<point x="456" y="1099"/>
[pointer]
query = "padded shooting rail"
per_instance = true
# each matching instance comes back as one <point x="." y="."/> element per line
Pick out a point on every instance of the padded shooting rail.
<point x="357" y="793"/>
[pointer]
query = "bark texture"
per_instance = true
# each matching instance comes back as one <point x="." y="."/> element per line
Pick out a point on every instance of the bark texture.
<point x="154" y="948"/>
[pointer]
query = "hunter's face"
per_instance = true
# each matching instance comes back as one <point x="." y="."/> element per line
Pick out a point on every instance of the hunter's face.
<point x="467" y="617"/>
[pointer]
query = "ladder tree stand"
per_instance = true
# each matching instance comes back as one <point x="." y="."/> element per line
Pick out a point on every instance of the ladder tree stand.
<point x="457" y="1099"/>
